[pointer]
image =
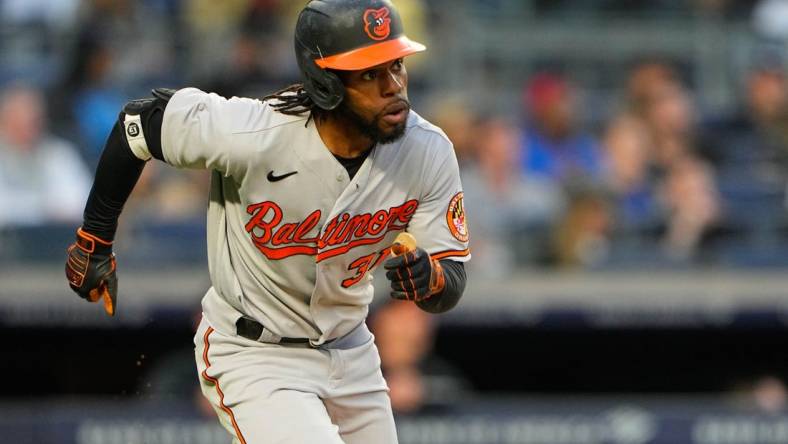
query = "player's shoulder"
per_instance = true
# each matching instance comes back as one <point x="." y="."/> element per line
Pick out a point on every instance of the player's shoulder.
<point x="425" y="133"/>
<point x="243" y="114"/>
<point x="422" y="128"/>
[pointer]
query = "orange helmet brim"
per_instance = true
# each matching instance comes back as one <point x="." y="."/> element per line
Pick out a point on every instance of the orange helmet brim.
<point x="372" y="55"/>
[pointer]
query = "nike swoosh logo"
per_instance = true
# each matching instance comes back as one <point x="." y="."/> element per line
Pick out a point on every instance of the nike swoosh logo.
<point x="272" y="178"/>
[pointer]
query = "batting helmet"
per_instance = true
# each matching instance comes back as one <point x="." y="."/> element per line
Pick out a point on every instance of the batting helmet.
<point x="346" y="35"/>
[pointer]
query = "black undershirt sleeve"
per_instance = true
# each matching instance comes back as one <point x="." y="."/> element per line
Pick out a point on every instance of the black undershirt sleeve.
<point x="117" y="172"/>
<point x="454" y="273"/>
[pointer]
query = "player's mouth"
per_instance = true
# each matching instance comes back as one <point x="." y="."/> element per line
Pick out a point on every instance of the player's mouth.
<point x="396" y="113"/>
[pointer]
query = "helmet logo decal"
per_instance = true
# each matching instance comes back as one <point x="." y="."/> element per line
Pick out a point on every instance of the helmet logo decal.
<point x="377" y="23"/>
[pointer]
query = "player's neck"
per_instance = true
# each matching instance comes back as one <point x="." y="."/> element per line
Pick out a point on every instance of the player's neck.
<point x="342" y="138"/>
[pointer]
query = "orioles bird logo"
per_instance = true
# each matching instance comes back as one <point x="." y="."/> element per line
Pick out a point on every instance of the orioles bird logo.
<point x="377" y="23"/>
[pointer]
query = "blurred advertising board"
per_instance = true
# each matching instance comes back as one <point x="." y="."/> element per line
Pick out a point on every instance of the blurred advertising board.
<point x="511" y="421"/>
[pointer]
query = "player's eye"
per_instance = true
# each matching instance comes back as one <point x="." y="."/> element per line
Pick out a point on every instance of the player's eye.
<point x="369" y="75"/>
<point x="397" y="65"/>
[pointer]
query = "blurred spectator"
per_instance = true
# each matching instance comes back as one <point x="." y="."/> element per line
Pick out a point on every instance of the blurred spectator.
<point x="752" y="161"/>
<point x="417" y="379"/>
<point x="755" y="141"/>
<point x="766" y="92"/>
<point x="106" y="69"/>
<point x="42" y="178"/>
<point x="766" y="393"/>
<point x="507" y="205"/>
<point x="206" y="16"/>
<point x="265" y="18"/>
<point x="136" y="35"/>
<point x="643" y="79"/>
<point x="212" y="27"/>
<point x="557" y="151"/>
<point x="581" y="238"/>
<point x="554" y="146"/>
<point x="164" y="194"/>
<point x="770" y="394"/>
<point x="656" y="172"/>
<point x="96" y="102"/>
<point x="666" y="110"/>
<point x="510" y="209"/>
<point x="456" y="118"/>
<point x="254" y="65"/>
<point x="691" y="198"/>
<point x="630" y="179"/>
<point x="34" y="35"/>
<point x="689" y="191"/>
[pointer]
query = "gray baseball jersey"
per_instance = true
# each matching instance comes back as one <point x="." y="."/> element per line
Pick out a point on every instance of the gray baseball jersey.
<point x="292" y="239"/>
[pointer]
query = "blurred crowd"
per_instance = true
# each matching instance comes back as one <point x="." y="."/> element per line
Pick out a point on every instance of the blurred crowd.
<point x="657" y="181"/>
<point x="654" y="185"/>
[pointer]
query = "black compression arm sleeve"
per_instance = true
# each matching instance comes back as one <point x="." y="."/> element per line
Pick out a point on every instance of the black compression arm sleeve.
<point x="117" y="173"/>
<point x="454" y="273"/>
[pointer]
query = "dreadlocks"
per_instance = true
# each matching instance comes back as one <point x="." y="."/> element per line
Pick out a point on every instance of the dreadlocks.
<point x="294" y="101"/>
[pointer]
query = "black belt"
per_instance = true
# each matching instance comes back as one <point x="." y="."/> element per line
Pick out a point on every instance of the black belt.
<point x="251" y="329"/>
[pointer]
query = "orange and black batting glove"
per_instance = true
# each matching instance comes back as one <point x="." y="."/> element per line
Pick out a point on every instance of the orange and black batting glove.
<point x="90" y="269"/>
<point x="414" y="275"/>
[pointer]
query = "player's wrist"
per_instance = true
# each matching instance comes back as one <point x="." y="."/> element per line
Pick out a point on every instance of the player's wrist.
<point x="100" y="228"/>
<point x="91" y="243"/>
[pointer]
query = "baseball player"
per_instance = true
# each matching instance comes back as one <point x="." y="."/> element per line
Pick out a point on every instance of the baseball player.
<point x="310" y="187"/>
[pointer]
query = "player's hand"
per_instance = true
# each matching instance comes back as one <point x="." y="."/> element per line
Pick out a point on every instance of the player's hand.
<point x="90" y="269"/>
<point x="414" y="275"/>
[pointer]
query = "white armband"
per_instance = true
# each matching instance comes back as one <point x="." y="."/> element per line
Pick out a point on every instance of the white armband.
<point x="132" y="125"/>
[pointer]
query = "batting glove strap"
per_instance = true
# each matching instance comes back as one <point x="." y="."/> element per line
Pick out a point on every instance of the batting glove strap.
<point x="92" y="244"/>
<point x="437" y="279"/>
<point x="414" y="276"/>
<point x="90" y="270"/>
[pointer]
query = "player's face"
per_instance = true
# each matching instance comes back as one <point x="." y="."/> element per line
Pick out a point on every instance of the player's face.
<point x="376" y="100"/>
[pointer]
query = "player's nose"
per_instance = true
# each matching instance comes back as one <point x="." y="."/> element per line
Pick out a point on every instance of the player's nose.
<point x="392" y="85"/>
